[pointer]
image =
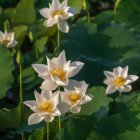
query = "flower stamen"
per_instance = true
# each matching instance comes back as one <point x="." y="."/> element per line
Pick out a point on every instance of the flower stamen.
<point x="46" y="106"/>
<point x="60" y="73"/>
<point x="74" y="97"/>
<point x="58" y="12"/>
<point x="119" y="81"/>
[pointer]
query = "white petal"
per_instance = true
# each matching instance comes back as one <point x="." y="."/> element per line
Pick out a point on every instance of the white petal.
<point x="14" y="43"/>
<point x="61" y="83"/>
<point x="34" y="119"/>
<point x="108" y="82"/>
<point x="63" y="4"/>
<point x="48" y="85"/>
<point x="79" y="66"/>
<point x="30" y="103"/>
<point x="55" y="3"/>
<point x="48" y="118"/>
<point x="86" y="99"/>
<point x="117" y="71"/>
<point x="50" y="22"/>
<point x="132" y="77"/>
<point x="38" y="97"/>
<point x="46" y="94"/>
<point x="56" y="112"/>
<point x="110" y="89"/>
<point x="109" y="75"/>
<point x="63" y="107"/>
<point x="45" y="12"/>
<point x="121" y="89"/>
<point x="55" y="97"/>
<point x="124" y="72"/>
<point x="127" y="88"/>
<point x="63" y="26"/>
<point x="40" y="68"/>
<point x="75" y="109"/>
<point x="51" y="64"/>
<point x="62" y="59"/>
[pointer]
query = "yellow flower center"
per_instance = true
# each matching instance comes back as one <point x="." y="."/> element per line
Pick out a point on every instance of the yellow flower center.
<point x="5" y="42"/>
<point x="58" y="12"/>
<point x="60" y="73"/>
<point x="119" y="81"/>
<point x="46" y="106"/>
<point x="74" y="97"/>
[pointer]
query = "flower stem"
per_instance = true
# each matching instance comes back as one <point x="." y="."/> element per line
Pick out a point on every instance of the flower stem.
<point x="88" y="16"/>
<point x="21" y="98"/>
<point x="48" y="131"/>
<point x="58" y="39"/>
<point x="59" y="122"/>
<point x="120" y="94"/>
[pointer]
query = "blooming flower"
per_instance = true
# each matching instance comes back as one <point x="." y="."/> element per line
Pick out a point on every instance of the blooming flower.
<point x="7" y="39"/>
<point x="57" y="72"/>
<point x="74" y="95"/>
<point x="119" y="80"/>
<point x="58" y="14"/>
<point x="44" y="108"/>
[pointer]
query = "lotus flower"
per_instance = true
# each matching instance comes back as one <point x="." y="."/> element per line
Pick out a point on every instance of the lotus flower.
<point x="44" y="108"/>
<point x="57" y="72"/>
<point x="7" y="39"/>
<point x="75" y="96"/>
<point x="119" y="80"/>
<point x="58" y="13"/>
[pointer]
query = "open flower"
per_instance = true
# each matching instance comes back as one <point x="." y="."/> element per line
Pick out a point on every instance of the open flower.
<point x="44" y="108"/>
<point x="57" y="72"/>
<point x="75" y="96"/>
<point x="7" y="39"/>
<point x="119" y="80"/>
<point x="58" y="14"/>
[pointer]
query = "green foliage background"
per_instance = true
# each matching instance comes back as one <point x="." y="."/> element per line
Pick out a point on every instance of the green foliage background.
<point x="111" y="38"/>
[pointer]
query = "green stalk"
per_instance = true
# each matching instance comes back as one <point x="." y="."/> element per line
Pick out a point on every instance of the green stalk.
<point x="36" y="52"/>
<point x="88" y="16"/>
<point x="58" y="39"/>
<point x="59" y="118"/>
<point x="48" y="131"/>
<point x="19" y="61"/>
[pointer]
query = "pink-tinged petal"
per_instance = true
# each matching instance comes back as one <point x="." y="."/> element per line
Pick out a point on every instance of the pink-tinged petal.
<point x="124" y="72"/>
<point x="45" y="12"/>
<point x="63" y="107"/>
<point x="110" y="89"/>
<point x="108" y="82"/>
<point x="38" y="97"/>
<point x="40" y="68"/>
<point x="63" y="26"/>
<point x="79" y="66"/>
<point x="132" y="78"/>
<point x="30" y="103"/>
<point x="48" y="85"/>
<point x="109" y="75"/>
<point x="34" y="119"/>
<point x="127" y="88"/>
<point x="117" y="71"/>
<point x="75" y="109"/>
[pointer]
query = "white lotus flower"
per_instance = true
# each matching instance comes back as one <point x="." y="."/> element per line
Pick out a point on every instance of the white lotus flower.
<point x="57" y="72"/>
<point x="119" y="80"/>
<point x="74" y="96"/>
<point x="58" y="14"/>
<point x="44" y="108"/>
<point x="7" y="39"/>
